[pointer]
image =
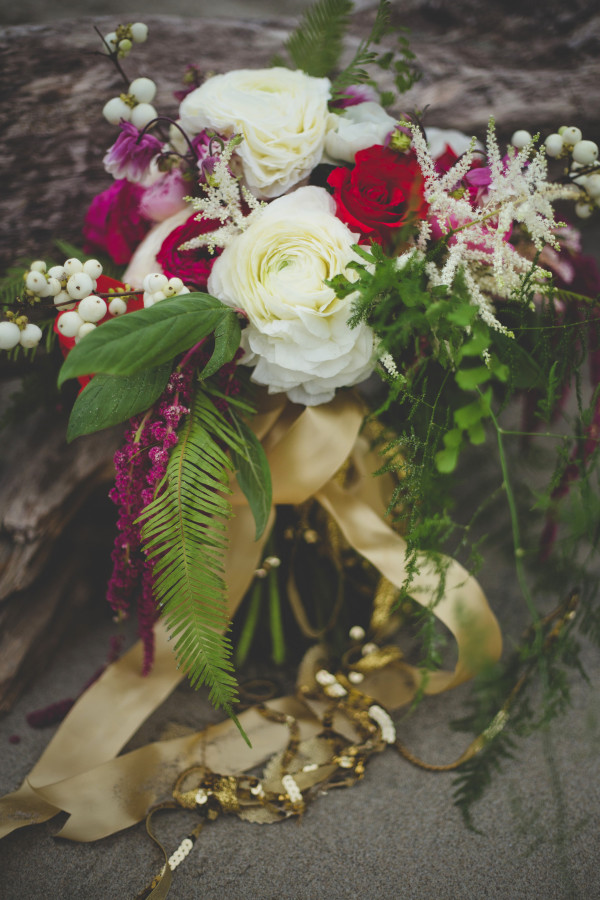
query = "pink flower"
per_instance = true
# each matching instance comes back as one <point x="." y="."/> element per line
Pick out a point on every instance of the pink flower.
<point x="192" y="266"/>
<point x="355" y="94"/>
<point x="113" y="222"/>
<point x="131" y="154"/>
<point x="165" y="197"/>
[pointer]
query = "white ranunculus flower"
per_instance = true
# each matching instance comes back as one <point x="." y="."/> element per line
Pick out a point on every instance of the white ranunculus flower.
<point x="282" y="116"/>
<point x="361" y="126"/>
<point x="297" y="337"/>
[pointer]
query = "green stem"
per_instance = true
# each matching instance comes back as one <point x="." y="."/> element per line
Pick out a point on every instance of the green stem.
<point x="249" y="630"/>
<point x="275" y="620"/>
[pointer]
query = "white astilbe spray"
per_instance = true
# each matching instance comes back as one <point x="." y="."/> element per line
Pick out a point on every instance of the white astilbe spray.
<point x="518" y="193"/>
<point x="223" y="201"/>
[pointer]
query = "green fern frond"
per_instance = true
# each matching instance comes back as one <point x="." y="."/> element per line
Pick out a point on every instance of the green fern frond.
<point x="185" y="534"/>
<point x="316" y="45"/>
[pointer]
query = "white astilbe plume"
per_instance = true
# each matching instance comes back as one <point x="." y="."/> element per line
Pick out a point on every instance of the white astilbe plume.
<point x="517" y="194"/>
<point x="223" y="201"/>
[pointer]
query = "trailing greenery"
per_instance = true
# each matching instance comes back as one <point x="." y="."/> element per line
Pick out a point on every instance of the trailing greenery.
<point x="185" y="535"/>
<point x="316" y="44"/>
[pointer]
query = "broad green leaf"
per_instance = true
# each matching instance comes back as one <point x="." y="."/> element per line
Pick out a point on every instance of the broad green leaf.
<point x="478" y="343"/>
<point x="453" y="438"/>
<point x="469" y="379"/>
<point x="110" y="399"/>
<point x="463" y="315"/>
<point x="477" y="433"/>
<point x="227" y="341"/>
<point x="253" y="473"/>
<point x="468" y="415"/>
<point x="147" y="337"/>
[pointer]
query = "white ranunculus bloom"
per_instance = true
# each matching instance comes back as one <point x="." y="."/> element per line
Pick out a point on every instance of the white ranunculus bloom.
<point x="360" y="126"/>
<point x="282" y="116"/>
<point x="297" y="337"/>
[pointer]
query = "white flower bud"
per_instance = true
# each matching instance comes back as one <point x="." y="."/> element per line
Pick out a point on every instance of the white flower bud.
<point x="139" y="32"/>
<point x="85" y="329"/>
<point x="69" y="324"/>
<point x="520" y="139"/>
<point x="571" y="135"/>
<point x="92" y="308"/>
<point x="585" y="152"/>
<point x="115" y="110"/>
<point x="142" y="114"/>
<point x="593" y="185"/>
<point x="38" y="265"/>
<point x="72" y="266"/>
<point x="54" y="287"/>
<point x="553" y="144"/>
<point x="155" y="281"/>
<point x="31" y="335"/>
<point x="92" y="268"/>
<point x="57" y="272"/>
<point x="583" y="210"/>
<point x="36" y="282"/>
<point x="117" y="307"/>
<point x="10" y="335"/>
<point x="143" y="89"/>
<point x="79" y="286"/>
<point x="62" y="301"/>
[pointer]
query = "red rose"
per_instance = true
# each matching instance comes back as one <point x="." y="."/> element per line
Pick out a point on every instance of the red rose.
<point x="113" y="222"/>
<point x="380" y="194"/>
<point x="192" y="266"/>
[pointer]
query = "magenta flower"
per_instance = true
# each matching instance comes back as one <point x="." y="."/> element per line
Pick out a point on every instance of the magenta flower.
<point x="131" y="154"/>
<point x="192" y="266"/>
<point x="355" y="94"/>
<point x="114" y="223"/>
<point x="165" y="197"/>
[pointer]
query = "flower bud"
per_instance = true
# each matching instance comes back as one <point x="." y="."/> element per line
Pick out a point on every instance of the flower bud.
<point x="124" y="47"/>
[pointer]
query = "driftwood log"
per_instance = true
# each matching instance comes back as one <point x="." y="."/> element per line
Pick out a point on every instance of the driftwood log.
<point x="533" y="70"/>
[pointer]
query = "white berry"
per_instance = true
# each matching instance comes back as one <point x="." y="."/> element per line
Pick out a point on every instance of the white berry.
<point x="38" y="265"/>
<point x="57" y="272"/>
<point x="175" y="285"/>
<point x="139" y="32"/>
<point x="92" y="308"/>
<point x="79" y="286"/>
<point x="142" y="114"/>
<point x="72" y="266"/>
<point x="143" y="89"/>
<point x="155" y="281"/>
<point x="593" y="185"/>
<point x="124" y="47"/>
<point x="54" y="287"/>
<point x="111" y="40"/>
<point x="583" y="210"/>
<point x="69" y="324"/>
<point x="520" y="139"/>
<point x="35" y="282"/>
<point x="148" y="300"/>
<point x="571" y="135"/>
<point x="31" y="335"/>
<point x="158" y="295"/>
<point x="93" y="268"/>
<point x="85" y="329"/>
<point x="63" y="301"/>
<point x="585" y="152"/>
<point x="9" y="335"/>
<point x="553" y="144"/>
<point x="117" y="307"/>
<point x="115" y="110"/>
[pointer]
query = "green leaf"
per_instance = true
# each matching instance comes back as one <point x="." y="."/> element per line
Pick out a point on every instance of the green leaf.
<point x="478" y="343"/>
<point x="110" y="399"/>
<point x="469" y="379"/>
<point x="184" y="534"/>
<point x="227" y="341"/>
<point x="147" y="337"/>
<point x="253" y="473"/>
<point x="463" y="315"/>
<point x="477" y="433"/>
<point x="468" y="415"/>
<point x="453" y="438"/>
<point x="445" y="460"/>
<point x="316" y="45"/>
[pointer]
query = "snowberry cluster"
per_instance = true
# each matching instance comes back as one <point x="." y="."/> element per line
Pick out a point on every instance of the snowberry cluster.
<point x="135" y="106"/>
<point x="568" y="142"/>
<point x="18" y="330"/>
<point x="121" y="41"/>
<point x="158" y="287"/>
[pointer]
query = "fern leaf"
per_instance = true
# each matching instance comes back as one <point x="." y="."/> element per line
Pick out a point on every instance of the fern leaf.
<point x="316" y="45"/>
<point x="184" y="532"/>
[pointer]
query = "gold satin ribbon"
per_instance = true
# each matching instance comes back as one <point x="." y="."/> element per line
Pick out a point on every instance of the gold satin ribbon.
<point x="80" y="773"/>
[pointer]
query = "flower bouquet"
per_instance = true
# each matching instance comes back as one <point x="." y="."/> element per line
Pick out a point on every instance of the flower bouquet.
<point x="325" y="313"/>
